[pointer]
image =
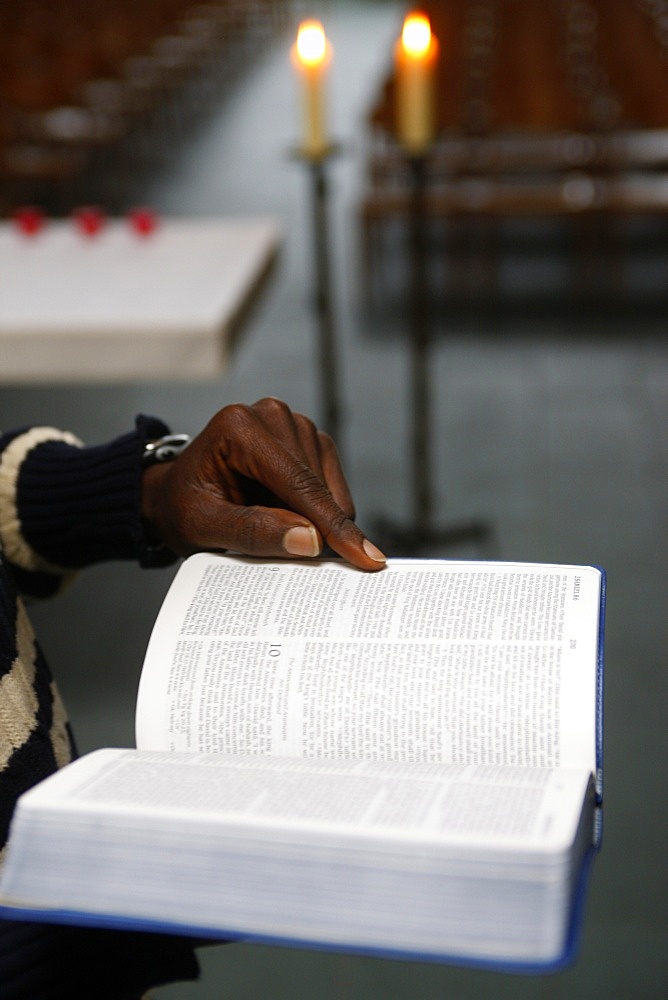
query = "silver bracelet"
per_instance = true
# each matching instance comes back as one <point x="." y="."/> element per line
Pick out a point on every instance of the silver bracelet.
<point x="164" y="449"/>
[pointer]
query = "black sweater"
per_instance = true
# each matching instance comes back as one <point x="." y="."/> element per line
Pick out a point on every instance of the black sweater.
<point x="63" y="507"/>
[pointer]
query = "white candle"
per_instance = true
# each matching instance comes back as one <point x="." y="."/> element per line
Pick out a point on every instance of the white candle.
<point x="311" y="55"/>
<point x="416" y="58"/>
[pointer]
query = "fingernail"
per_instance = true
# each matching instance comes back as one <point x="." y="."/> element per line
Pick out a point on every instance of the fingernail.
<point x="373" y="552"/>
<point x="301" y="541"/>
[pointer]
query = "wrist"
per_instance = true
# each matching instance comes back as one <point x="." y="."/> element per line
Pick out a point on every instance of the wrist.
<point x="152" y="490"/>
<point x="156" y="460"/>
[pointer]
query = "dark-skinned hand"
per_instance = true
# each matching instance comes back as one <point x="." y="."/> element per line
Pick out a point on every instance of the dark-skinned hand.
<point x="260" y="480"/>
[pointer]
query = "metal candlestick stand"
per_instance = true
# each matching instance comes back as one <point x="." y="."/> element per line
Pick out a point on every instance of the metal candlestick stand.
<point x="422" y="535"/>
<point x="322" y="298"/>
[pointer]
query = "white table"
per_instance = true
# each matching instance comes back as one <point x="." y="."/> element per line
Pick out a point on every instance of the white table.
<point x="118" y="306"/>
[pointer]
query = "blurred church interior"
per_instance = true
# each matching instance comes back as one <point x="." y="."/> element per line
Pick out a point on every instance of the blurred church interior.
<point x="544" y="293"/>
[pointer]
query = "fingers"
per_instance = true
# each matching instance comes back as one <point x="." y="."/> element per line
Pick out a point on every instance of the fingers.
<point x="255" y="531"/>
<point x="209" y="498"/>
<point x="214" y="523"/>
<point x="295" y="430"/>
<point x="334" y="477"/>
<point x="314" y="448"/>
<point x="306" y="495"/>
<point x="285" y="449"/>
<point x="279" y="533"/>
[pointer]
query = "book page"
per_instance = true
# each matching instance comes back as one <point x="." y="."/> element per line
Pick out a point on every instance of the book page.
<point x="427" y="660"/>
<point x="420" y="859"/>
<point x="532" y="808"/>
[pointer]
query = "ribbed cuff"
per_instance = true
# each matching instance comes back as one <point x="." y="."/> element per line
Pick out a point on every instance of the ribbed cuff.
<point x="77" y="506"/>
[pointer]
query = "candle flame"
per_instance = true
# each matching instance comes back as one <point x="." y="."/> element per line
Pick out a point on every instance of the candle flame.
<point x="311" y="43"/>
<point x="416" y="35"/>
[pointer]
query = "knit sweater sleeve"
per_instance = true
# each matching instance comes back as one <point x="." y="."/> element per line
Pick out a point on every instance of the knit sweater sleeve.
<point x="64" y="506"/>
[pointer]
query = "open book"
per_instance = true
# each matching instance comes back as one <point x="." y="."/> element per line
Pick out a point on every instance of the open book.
<point x="403" y="762"/>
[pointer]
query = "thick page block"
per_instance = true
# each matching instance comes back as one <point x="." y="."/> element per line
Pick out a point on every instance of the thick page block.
<point x="405" y="763"/>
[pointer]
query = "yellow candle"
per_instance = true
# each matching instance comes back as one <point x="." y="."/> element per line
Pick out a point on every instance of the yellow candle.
<point x="311" y="55"/>
<point x="416" y="58"/>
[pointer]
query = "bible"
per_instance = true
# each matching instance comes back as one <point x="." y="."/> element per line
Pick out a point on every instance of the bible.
<point x="405" y="763"/>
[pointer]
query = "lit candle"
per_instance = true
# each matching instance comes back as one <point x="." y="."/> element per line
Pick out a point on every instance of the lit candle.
<point x="311" y="55"/>
<point x="416" y="57"/>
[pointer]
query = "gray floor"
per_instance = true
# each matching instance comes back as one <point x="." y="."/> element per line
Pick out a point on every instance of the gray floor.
<point x="551" y="423"/>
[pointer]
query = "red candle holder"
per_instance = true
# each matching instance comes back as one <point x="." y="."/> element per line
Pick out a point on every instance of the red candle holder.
<point x="29" y="220"/>
<point x="144" y="221"/>
<point x="89" y="220"/>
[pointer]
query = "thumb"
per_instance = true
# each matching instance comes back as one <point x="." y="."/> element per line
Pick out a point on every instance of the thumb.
<point x="215" y="524"/>
<point x="277" y="532"/>
<point x="271" y="531"/>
